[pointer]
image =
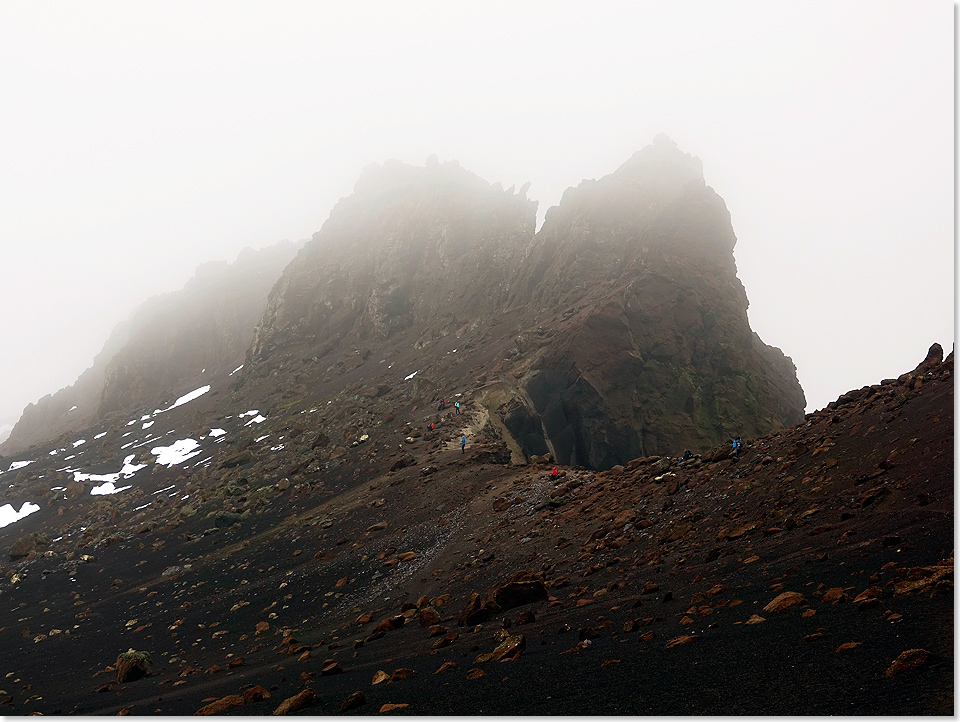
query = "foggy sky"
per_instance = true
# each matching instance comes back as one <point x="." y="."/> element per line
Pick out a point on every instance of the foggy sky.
<point x="138" y="140"/>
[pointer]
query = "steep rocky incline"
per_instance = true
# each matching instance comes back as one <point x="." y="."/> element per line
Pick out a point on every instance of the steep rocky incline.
<point x="619" y="329"/>
<point x="207" y="325"/>
<point x="650" y="349"/>
<point x="431" y="247"/>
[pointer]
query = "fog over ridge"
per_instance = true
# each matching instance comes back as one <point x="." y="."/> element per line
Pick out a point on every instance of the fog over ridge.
<point x="827" y="132"/>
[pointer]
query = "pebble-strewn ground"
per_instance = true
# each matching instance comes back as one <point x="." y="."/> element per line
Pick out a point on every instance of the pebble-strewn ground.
<point x="399" y="575"/>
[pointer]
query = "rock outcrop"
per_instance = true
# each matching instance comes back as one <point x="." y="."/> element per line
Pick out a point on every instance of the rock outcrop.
<point x="625" y="332"/>
<point x="647" y="347"/>
<point x="432" y="246"/>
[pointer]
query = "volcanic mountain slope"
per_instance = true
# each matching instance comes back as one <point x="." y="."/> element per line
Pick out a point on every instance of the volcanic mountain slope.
<point x="170" y="339"/>
<point x="286" y="566"/>
<point x="620" y="329"/>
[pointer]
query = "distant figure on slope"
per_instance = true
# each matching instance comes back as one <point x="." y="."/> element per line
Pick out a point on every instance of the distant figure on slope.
<point x="431" y="426"/>
<point x="441" y="406"/>
<point x="457" y="407"/>
<point x="737" y="446"/>
<point x="463" y="442"/>
<point x="687" y="455"/>
<point x="554" y="474"/>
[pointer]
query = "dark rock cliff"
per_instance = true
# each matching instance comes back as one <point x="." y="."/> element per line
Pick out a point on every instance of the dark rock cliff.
<point x="626" y="332"/>
<point x="426" y="246"/>
<point x="653" y="351"/>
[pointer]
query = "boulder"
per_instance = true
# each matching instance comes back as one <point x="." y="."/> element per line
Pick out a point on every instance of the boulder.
<point x="302" y="699"/>
<point x="132" y="665"/>
<point x="523" y="587"/>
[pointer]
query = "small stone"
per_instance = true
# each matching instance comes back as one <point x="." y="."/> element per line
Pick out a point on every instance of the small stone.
<point x="783" y="602"/>
<point x="834" y="595"/>
<point x="755" y="619"/>
<point x="221" y="705"/>
<point x="447" y="667"/>
<point x="357" y="699"/>
<point x="910" y="659"/>
<point x="682" y="639"/>
<point x="380" y="676"/>
<point x="255" y="694"/>
<point x="304" y="698"/>
<point x="475" y="673"/>
<point x="847" y="646"/>
<point x="391" y="707"/>
<point x="402" y="673"/>
<point x="331" y="667"/>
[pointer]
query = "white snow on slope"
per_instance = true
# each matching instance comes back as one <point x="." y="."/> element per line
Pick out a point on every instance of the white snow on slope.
<point x="177" y="453"/>
<point x="8" y="515"/>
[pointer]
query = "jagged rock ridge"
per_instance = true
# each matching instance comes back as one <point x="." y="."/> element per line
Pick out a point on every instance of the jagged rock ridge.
<point x="622" y="320"/>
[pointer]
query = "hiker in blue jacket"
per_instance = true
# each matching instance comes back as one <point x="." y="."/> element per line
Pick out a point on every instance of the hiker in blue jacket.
<point x="463" y="442"/>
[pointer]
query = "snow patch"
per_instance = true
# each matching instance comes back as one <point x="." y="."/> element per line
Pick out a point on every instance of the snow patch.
<point x="8" y="515"/>
<point x="407" y="378"/>
<point x="176" y="453"/>
<point x="186" y="398"/>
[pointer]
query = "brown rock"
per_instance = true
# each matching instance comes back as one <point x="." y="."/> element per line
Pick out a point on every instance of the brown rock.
<point x="22" y="547"/>
<point x="834" y="595"/>
<point x="473" y="613"/>
<point x="783" y="602"/>
<point x="407" y="556"/>
<point x="389" y="624"/>
<point x="447" y="667"/>
<point x="365" y="618"/>
<point x="429" y="617"/>
<point x="526" y="617"/>
<point x="646" y="636"/>
<point x="871" y="593"/>
<point x="847" y="646"/>
<point x="475" y="673"/>
<point x="755" y="619"/>
<point x="682" y="639"/>
<point x="133" y="665"/>
<point x="402" y="673"/>
<point x="391" y="707"/>
<point x="302" y="699"/>
<point x="255" y="694"/>
<point x="910" y="659"/>
<point x="262" y="627"/>
<point x="331" y="667"/>
<point x="380" y="676"/>
<point x="917" y="578"/>
<point x="357" y="699"/>
<point x="221" y="705"/>
<point x="524" y="587"/>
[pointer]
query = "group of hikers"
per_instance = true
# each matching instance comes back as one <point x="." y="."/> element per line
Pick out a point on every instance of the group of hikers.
<point x="443" y="405"/>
